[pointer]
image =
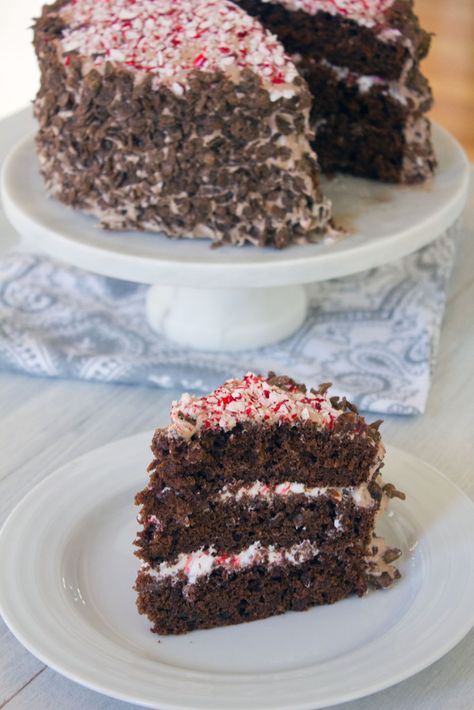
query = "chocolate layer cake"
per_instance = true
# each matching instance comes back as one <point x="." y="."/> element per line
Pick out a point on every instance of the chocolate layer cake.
<point x="262" y="498"/>
<point x="361" y="59"/>
<point x="179" y="116"/>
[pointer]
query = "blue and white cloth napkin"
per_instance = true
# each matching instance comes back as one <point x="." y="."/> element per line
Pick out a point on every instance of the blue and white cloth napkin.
<point x="374" y="335"/>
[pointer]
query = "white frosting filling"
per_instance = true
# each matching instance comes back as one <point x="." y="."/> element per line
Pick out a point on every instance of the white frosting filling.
<point x="202" y="562"/>
<point x="360" y="494"/>
<point x="171" y="38"/>
<point x="397" y="89"/>
<point x="250" y="399"/>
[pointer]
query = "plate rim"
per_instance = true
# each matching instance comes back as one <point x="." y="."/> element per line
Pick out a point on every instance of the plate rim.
<point x="48" y="484"/>
<point x="264" y="271"/>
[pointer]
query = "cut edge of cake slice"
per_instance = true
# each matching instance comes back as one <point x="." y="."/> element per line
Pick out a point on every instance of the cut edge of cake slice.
<point x="362" y="64"/>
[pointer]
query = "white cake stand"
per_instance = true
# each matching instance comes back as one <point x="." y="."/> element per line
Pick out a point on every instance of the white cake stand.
<point x="239" y="298"/>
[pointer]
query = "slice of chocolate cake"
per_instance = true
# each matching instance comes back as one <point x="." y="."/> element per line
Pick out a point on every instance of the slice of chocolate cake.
<point x="361" y="59"/>
<point x="180" y="116"/>
<point x="262" y="498"/>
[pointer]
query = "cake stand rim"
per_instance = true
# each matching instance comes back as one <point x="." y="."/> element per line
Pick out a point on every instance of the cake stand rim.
<point x="282" y="268"/>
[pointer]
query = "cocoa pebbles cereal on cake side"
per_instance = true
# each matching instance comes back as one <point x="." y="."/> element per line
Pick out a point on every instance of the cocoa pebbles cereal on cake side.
<point x="262" y="498"/>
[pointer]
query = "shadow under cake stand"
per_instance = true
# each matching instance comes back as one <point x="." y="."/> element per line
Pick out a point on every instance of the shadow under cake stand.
<point x="237" y="298"/>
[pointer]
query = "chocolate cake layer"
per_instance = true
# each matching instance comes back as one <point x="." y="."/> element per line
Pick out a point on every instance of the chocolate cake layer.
<point x="374" y="152"/>
<point x="339" y="457"/>
<point x="254" y="593"/>
<point x="181" y="117"/>
<point x="173" y="526"/>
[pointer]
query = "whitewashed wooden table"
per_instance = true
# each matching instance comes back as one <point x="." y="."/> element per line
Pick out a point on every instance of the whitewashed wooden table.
<point x="44" y="424"/>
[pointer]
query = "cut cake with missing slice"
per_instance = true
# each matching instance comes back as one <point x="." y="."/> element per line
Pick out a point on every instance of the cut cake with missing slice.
<point x="262" y="498"/>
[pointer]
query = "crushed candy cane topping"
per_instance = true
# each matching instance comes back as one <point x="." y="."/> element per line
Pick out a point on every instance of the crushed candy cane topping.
<point x="364" y="12"/>
<point x="250" y="399"/>
<point x="171" y="38"/>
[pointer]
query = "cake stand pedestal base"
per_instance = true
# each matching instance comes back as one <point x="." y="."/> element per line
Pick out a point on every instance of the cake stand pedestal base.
<point x="226" y="319"/>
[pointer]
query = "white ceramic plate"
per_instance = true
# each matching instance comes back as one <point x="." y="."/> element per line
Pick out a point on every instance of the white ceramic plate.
<point x="66" y="593"/>
<point x="385" y="223"/>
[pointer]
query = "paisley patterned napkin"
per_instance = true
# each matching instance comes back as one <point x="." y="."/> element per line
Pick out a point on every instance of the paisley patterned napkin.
<point x="374" y="335"/>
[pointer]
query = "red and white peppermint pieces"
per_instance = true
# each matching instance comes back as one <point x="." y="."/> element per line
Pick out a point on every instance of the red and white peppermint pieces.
<point x="171" y="38"/>
<point x="249" y="399"/>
